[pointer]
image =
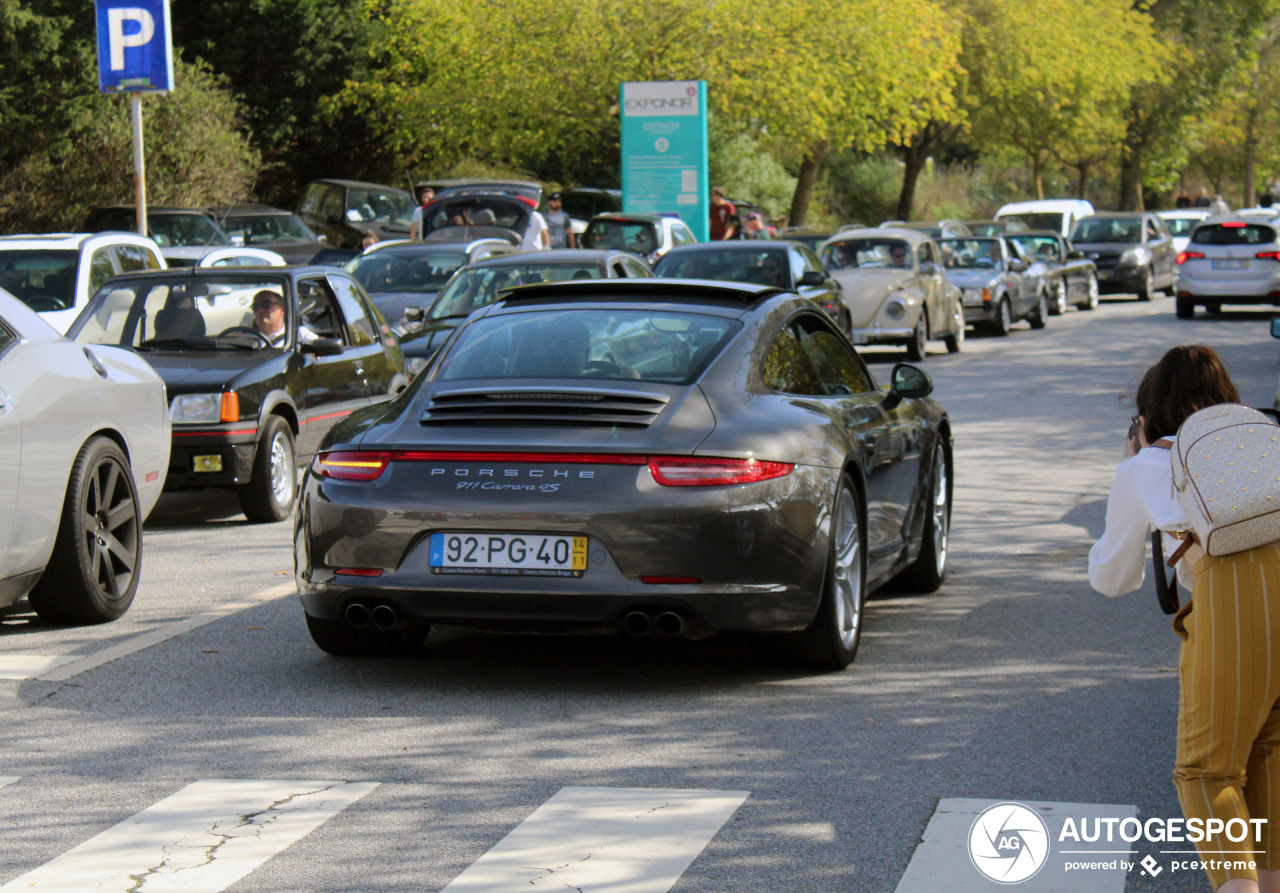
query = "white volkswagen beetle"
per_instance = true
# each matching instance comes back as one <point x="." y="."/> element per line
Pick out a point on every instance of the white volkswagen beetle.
<point x="84" y="448"/>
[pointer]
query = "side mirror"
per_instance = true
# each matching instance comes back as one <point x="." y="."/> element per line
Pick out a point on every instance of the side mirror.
<point x="909" y="382"/>
<point x="413" y="314"/>
<point x="812" y="278"/>
<point x="1073" y="254"/>
<point x="1018" y="266"/>
<point x="323" y="347"/>
<point x="1275" y="327"/>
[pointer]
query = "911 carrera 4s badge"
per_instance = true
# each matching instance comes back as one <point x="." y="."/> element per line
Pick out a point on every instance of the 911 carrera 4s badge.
<point x="532" y="555"/>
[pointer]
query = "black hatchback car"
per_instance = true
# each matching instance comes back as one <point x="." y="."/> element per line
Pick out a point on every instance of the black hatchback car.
<point x="248" y="407"/>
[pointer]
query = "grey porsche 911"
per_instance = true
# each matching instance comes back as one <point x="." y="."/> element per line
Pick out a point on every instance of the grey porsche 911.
<point x="647" y="457"/>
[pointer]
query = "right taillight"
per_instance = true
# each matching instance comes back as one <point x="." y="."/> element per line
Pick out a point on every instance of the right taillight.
<point x="351" y="465"/>
<point x="1185" y="256"/>
<point x="689" y="471"/>
<point x="1268" y="255"/>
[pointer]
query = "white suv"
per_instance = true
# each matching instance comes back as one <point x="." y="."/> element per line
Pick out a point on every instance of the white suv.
<point x="55" y="274"/>
<point x="1056" y="214"/>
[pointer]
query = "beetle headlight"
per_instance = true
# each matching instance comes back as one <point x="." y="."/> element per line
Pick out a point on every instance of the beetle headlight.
<point x="197" y="408"/>
<point x="895" y="309"/>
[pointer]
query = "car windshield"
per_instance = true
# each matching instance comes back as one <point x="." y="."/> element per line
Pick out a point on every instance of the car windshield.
<point x="1050" y="220"/>
<point x="762" y="267"/>
<point x="1108" y="229"/>
<point x="639" y="237"/>
<point x="262" y="229"/>
<point x="379" y="206"/>
<point x="480" y="286"/>
<point x="616" y="343"/>
<point x="41" y="278"/>
<point x="861" y="254"/>
<point x="182" y="230"/>
<point x="474" y="210"/>
<point x="971" y="254"/>
<point x="1181" y="226"/>
<point x="387" y="271"/>
<point x="205" y="313"/>
<point x="1234" y="234"/>
<point x="1037" y="248"/>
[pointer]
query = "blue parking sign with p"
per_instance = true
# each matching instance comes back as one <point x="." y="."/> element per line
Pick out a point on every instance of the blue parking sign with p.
<point x="135" y="46"/>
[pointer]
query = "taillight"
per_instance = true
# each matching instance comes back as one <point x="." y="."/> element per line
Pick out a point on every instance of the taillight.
<point x="688" y="471"/>
<point x="1235" y="225"/>
<point x="1268" y="255"/>
<point x="1185" y="256"/>
<point x="351" y="466"/>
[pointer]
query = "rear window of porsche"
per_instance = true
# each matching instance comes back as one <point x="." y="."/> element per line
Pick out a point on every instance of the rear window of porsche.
<point x="1234" y="234"/>
<point x="617" y="344"/>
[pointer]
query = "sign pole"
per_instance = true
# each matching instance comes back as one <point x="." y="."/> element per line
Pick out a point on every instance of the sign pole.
<point x="139" y="163"/>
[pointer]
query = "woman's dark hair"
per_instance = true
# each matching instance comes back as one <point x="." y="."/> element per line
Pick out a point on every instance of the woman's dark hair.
<point x="1187" y="379"/>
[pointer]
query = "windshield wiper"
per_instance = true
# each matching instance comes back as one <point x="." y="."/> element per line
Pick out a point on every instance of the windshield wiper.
<point x="161" y="343"/>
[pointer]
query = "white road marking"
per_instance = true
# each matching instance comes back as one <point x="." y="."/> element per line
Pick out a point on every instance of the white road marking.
<point x="161" y="634"/>
<point x="6" y="780"/>
<point x="204" y="838"/>
<point x="30" y="666"/>
<point x="941" y="861"/>
<point x="620" y="840"/>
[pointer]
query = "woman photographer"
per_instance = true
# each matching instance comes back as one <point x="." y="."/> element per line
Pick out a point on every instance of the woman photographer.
<point x="1228" y="753"/>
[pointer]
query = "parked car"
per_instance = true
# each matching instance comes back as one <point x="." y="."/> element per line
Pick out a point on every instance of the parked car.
<point x="1133" y="252"/>
<point x="464" y="217"/>
<point x="1056" y="268"/>
<point x="584" y="202"/>
<point x="246" y="412"/>
<point x="400" y="276"/>
<point x="1231" y="260"/>
<point x="989" y="274"/>
<point x="786" y="265"/>
<point x="274" y="229"/>
<point x="995" y="227"/>
<point x="184" y="234"/>
<point x="56" y="274"/>
<point x="894" y="289"/>
<point x="651" y="457"/>
<point x="649" y="235"/>
<point x="528" y="189"/>
<point x="241" y="257"/>
<point x="84" y="441"/>
<point x="344" y="210"/>
<point x="936" y="229"/>
<point x="1180" y="223"/>
<point x="480" y="283"/>
<point x="1057" y="214"/>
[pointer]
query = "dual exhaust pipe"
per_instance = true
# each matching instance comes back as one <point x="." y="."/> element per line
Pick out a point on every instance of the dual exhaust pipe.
<point x="665" y="623"/>
<point x="361" y="616"/>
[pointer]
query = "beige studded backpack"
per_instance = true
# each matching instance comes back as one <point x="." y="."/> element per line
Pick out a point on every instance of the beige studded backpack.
<point x="1226" y="469"/>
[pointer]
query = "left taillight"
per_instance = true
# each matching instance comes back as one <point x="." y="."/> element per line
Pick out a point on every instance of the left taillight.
<point x="351" y="466"/>
<point x="1185" y="256"/>
<point x="689" y="471"/>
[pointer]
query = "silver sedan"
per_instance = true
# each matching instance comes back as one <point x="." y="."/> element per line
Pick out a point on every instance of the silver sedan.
<point x="84" y="446"/>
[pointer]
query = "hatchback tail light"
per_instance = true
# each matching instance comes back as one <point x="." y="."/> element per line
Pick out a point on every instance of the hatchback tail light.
<point x="1268" y="255"/>
<point x="689" y="471"/>
<point x="1185" y="256"/>
<point x="351" y="466"/>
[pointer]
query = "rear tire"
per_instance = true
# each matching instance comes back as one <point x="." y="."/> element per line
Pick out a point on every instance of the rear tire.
<point x="1091" y="302"/>
<point x="1039" y="317"/>
<point x="830" y="642"/>
<point x="273" y="487"/>
<point x="340" y="638"/>
<point x="955" y="341"/>
<point x="1059" y="304"/>
<point x="93" y="572"/>
<point x="1185" y="308"/>
<point x="1004" y="319"/>
<point x="918" y="346"/>
<point x="929" y="569"/>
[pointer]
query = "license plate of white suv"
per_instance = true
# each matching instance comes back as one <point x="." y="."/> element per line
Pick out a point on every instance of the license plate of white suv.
<point x="1231" y="265"/>
<point x="513" y="554"/>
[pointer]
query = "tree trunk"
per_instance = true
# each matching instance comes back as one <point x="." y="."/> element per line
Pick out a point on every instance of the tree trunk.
<point x="1250" y="161"/>
<point x="805" y="181"/>
<point x="913" y="158"/>
<point x="1082" y="179"/>
<point x="1130" y="197"/>
<point x="1037" y="177"/>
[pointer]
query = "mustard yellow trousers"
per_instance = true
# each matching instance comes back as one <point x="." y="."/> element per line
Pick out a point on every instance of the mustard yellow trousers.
<point x="1228" y="762"/>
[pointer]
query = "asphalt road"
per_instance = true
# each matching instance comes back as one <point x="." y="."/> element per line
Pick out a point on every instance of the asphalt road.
<point x="1015" y="682"/>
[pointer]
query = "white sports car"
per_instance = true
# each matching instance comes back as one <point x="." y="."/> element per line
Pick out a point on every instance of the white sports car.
<point x="84" y="447"/>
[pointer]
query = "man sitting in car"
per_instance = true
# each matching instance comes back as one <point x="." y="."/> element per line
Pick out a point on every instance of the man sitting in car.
<point x="268" y="316"/>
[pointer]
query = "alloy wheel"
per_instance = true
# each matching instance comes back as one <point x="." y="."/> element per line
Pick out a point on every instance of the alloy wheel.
<point x="110" y="523"/>
<point x="848" y="569"/>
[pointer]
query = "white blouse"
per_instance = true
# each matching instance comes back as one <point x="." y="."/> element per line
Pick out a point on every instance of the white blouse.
<point x="1142" y="500"/>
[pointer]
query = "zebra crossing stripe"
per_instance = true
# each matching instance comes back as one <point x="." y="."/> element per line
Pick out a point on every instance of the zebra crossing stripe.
<point x="29" y="666"/>
<point x="205" y="837"/>
<point x="619" y="840"/>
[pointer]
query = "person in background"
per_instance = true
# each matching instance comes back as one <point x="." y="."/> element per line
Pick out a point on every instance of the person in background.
<point x="1182" y="201"/>
<point x="559" y="226"/>
<point x="732" y="228"/>
<point x="1219" y="206"/>
<point x="1228" y="745"/>
<point x="367" y="241"/>
<point x="1266" y="200"/>
<point x="535" y="233"/>
<point x="721" y="210"/>
<point x="415" y="228"/>
<point x="754" y="228"/>
<point x="1202" y="200"/>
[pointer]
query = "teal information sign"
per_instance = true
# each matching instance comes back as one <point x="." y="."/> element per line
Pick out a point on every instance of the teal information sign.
<point x="664" y="151"/>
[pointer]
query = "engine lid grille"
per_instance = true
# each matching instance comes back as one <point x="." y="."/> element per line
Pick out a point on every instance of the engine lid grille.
<point x="562" y="407"/>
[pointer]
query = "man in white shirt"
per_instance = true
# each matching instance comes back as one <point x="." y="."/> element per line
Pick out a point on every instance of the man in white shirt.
<point x="268" y="316"/>
<point x="415" y="226"/>
<point x="535" y="234"/>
